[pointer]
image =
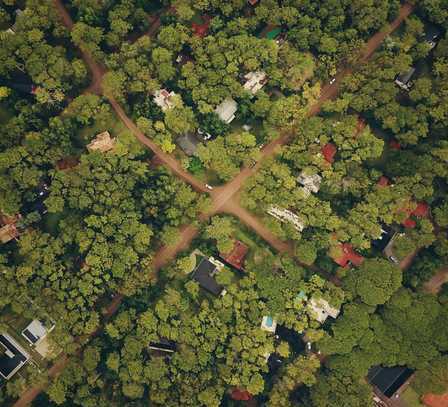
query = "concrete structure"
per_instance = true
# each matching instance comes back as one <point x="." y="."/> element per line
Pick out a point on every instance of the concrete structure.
<point x="164" y="99"/>
<point x="321" y="309"/>
<point x="102" y="142"/>
<point x="226" y="110"/>
<point x="12" y="356"/>
<point x="268" y="324"/>
<point x="255" y="81"/>
<point x="285" y="215"/>
<point x="310" y="182"/>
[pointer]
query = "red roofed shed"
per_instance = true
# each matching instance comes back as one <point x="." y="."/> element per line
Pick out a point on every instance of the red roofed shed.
<point x="201" y="30"/>
<point x="329" y="151"/>
<point x="383" y="181"/>
<point x="347" y="255"/>
<point x="239" y="394"/>
<point x="236" y="257"/>
<point x="395" y="145"/>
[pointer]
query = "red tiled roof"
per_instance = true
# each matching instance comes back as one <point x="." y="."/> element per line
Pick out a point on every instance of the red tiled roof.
<point x="435" y="400"/>
<point x="383" y="181"/>
<point x="201" y="30"/>
<point x="395" y="145"/>
<point x="239" y="394"/>
<point x="329" y="151"/>
<point x="421" y="211"/>
<point x="237" y="255"/>
<point x="253" y="2"/>
<point x="348" y="255"/>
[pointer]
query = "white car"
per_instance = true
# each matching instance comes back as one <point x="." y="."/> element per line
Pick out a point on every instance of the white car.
<point x="332" y="80"/>
<point x="209" y="187"/>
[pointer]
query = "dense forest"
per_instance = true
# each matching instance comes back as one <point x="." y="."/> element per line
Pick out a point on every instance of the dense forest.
<point x="223" y="203"/>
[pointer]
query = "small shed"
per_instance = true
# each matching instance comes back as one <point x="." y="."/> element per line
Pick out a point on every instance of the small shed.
<point x="102" y="142"/>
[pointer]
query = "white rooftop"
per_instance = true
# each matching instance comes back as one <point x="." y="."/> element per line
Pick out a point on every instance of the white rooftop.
<point x="226" y="110"/>
<point x="164" y="99"/>
<point x="35" y="331"/>
<point x="255" y="81"/>
<point x="310" y="182"/>
<point x="285" y="215"/>
<point x="322" y="309"/>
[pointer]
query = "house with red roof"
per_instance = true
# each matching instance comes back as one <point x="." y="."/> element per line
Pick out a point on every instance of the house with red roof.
<point x="383" y="182"/>
<point x="201" y="30"/>
<point x="395" y="145"/>
<point x="329" y="151"/>
<point x="420" y="211"/>
<point x="240" y="394"/>
<point x="344" y="255"/>
<point x="252" y="2"/>
<point x="237" y="255"/>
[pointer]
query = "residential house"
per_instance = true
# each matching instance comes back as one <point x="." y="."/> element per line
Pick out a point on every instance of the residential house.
<point x="344" y="255"/>
<point x="321" y="309"/>
<point x="102" y="142"/>
<point x="311" y="182"/>
<point x="420" y="211"/>
<point x="252" y="2"/>
<point x="12" y="356"/>
<point x="204" y="274"/>
<point x="268" y="324"/>
<point x="236" y="256"/>
<point x="404" y="80"/>
<point x="8" y="232"/>
<point x="188" y="143"/>
<point x="226" y="110"/>
<point x="329" y="150"/>
<point x="164" y="99"/>
<point x="389" y="381"/>
<point x="387" y="235"/>
<point x="255" y="81"/>
<point x="285" y="215"/>
<point x="431" y="35"/>
<point x="163" y="345"/>
<point x="36" y="331"/>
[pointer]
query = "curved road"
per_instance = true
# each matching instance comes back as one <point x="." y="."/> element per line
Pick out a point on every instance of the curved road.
<point x="222" y="197"/>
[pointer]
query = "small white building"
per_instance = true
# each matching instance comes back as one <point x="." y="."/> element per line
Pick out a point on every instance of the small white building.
<point x="226" y="110"/>
<point x="310" y="182"/>
<point x="321" y="309"/>
<point x="285" y="215"/>
<point x="268" y="324"/>
<point x="164" y="99"/>
<point x="102" y="142"/>
<point x="36" y="331"/>
<point x="255" y="81"/>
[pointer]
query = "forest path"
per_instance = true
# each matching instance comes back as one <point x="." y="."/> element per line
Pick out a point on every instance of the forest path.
<point x="434" y="284"/>
<point x="222" y="197"/>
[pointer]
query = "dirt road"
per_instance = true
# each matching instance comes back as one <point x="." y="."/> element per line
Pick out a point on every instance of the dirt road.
<point x="434" y="284"/>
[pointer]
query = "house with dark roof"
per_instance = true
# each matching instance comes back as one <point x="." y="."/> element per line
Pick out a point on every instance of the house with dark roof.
<point x="188" y="143"/>
<point x="431" y="35"/>
<point x="404" y="80"/>
<point x="389" y="381"/>
<point x="387" y="234"/>
<point x="163" y="345"/>
<point x="12" y="356"/>
<point x="204" y="275"/>
<point x="236" y="256"/>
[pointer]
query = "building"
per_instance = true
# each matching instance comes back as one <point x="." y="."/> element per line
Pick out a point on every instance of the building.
<point x="268" y="324"/>
<point x="226" y="110"/>
<point x="273" y="33"/>
<point x="204" y="274"/>
<point x="431" y="35"/>
<point x="404" y="80"/>
<point x="383" y="182"/>
<point x="163" y="345"/>
<point x="36" y="331"/>
<point x="12" y="356"/>
<point x="329" y="150"/>
<point x="255" y="81"/>
<point x="387" y="234"/>
<point x="310" y="182"/>
<point x="201" y="30"/>
<point x="420" y="211"/>
<point x="389" y="381"/>
<point x="8" y="232"/>
<point x="102" y="142"/>
<point x="321" y="309"/>
<point x="344" y="255"/>
<point x="188" y="143"/>
<point x="285" y="215"/>
<point x="236" y="256"/>
<point x="164" y="99"/>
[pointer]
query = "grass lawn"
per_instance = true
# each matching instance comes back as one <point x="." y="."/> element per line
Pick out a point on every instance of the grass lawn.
<point x="411" y="398"/>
